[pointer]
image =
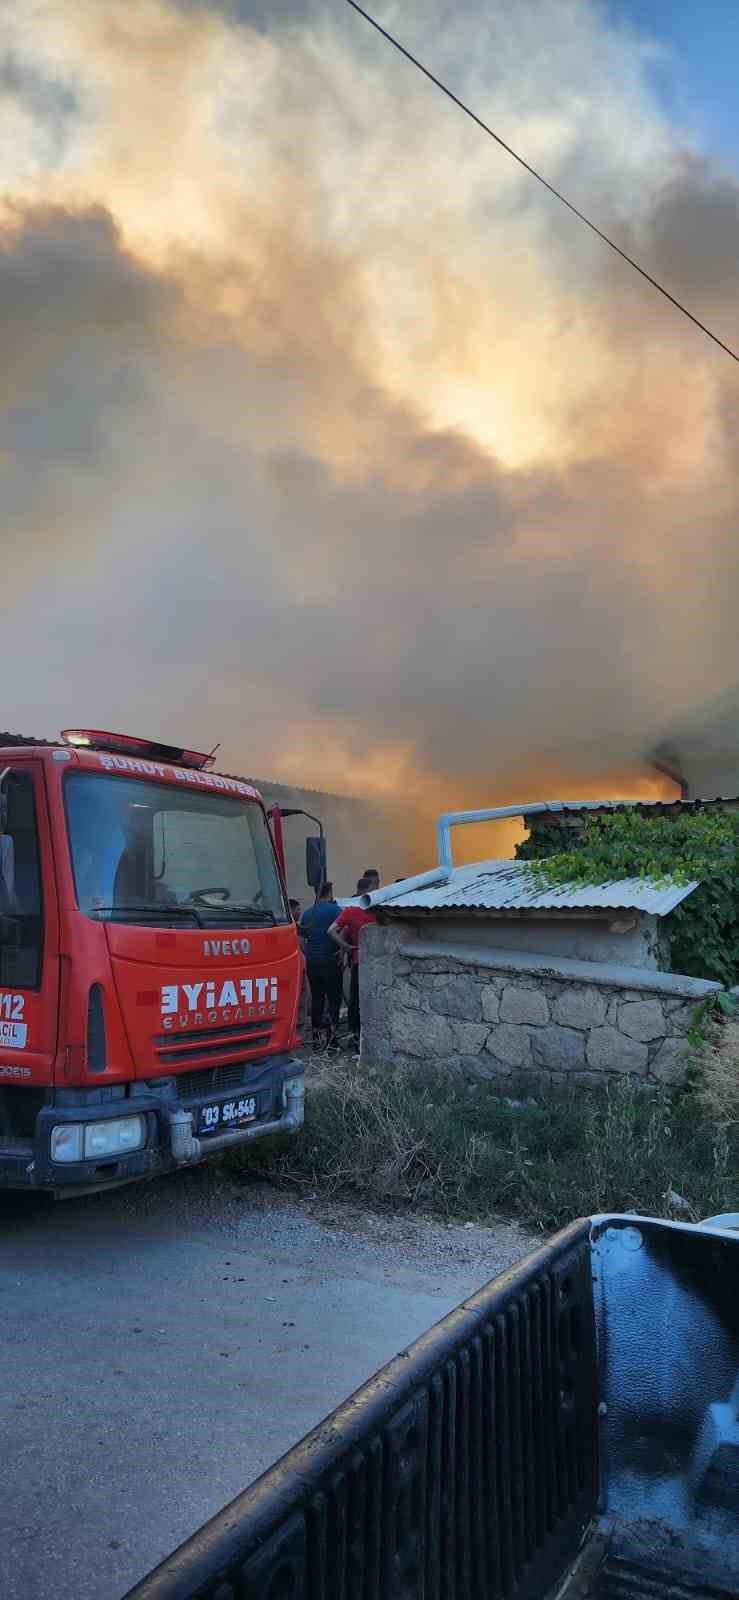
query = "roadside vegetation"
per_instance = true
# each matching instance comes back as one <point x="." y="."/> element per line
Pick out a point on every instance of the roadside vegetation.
<point x="704" y="929"/>
<point x="717" y="1073"/>
<point x="438" y="1144"/>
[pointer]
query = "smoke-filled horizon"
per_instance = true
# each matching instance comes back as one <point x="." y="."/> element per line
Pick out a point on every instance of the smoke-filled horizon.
<point x="326" y="434"/>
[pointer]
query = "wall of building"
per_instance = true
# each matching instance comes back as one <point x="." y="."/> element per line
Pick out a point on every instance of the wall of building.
<point x="632" y="941"/>
<point x="359" y="834"/>
<point x="520" y="1018"/>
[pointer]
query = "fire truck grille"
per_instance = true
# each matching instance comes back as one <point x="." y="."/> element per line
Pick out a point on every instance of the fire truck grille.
<point x="210" y="1079"/>
<point x="210" y="1042"/>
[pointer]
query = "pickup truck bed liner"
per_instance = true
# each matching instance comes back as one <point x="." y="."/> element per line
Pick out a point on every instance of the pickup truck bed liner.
<point x="620" y="1579"/>
<point x="640" y="1563"/>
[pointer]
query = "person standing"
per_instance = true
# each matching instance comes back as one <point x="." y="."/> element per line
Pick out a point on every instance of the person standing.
<point x="322" y="963"/>
<point x="345" y="931"/>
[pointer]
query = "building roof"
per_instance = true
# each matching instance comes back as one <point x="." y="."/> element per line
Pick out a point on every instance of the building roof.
<point x="7" y="739"/>
<point x="509" y="886"/>
<point x="652" y="807"/>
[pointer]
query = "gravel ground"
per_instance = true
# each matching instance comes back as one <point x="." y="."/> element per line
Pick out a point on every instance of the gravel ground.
<point x="165" y="1343"/>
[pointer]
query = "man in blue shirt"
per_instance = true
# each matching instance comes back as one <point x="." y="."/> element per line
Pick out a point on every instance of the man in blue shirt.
<point x="323" y="964"/>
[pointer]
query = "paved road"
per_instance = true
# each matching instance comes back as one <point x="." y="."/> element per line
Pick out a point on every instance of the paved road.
<point x="163" y="1345"/>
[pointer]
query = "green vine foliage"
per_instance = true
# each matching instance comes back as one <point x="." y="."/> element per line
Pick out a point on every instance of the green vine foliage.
<point x="704" y="928"/>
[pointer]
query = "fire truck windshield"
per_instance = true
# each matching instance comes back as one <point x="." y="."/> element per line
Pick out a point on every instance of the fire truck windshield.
<point x="145" y="852"/>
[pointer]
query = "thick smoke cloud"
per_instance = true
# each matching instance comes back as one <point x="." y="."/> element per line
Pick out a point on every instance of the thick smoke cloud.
<point x="264" y="14"/>
<point x="325" y="437"/>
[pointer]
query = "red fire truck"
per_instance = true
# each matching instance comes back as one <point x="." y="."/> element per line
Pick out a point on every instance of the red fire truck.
<point x="150" y="977"/>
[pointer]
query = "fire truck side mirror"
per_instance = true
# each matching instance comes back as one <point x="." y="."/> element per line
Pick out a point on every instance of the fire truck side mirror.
<point x="315" y="861"/>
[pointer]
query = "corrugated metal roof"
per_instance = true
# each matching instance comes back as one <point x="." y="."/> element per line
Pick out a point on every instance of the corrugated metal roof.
<point x="7" y="739"/>
<point x="588" y="805"/>
<point x="560" y="806"/>
<point x="510" y="886"/>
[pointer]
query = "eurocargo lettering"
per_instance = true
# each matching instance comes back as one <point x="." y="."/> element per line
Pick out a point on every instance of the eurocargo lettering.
<point x="223" y="1000"/>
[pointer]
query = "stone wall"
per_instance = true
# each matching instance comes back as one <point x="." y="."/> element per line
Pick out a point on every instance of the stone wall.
<point x="631" y="939"/>
<point x="521" y="1018"/>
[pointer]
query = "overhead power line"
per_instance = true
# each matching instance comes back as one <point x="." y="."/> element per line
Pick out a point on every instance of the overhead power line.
<point x="539" y="178"/>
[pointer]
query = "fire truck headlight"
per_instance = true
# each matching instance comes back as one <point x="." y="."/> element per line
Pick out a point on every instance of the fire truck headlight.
<point x="66" y="1142"/>
<point x="94" y="1141"/>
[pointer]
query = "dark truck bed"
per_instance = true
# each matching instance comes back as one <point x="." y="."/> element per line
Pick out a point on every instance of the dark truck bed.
<point x="570" y="1431"/>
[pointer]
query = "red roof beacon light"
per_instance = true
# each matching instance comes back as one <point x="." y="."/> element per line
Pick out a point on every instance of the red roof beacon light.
<point x="122" y="744"/>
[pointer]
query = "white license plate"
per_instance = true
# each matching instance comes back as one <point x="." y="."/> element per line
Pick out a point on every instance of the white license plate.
<point x="223" y="1115"/>
<point x="13" y="1035"/>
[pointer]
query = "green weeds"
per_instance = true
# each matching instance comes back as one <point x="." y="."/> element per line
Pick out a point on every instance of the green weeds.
<point x="436" y="1143"/>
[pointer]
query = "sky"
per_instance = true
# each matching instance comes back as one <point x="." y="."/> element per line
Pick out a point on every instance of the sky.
<point x="696" y="48"/>
<point x="325" y="433"/>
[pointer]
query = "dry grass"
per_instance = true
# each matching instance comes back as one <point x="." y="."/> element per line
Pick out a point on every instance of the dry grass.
<point x="718" y="1074"/>
<point x="432" y="1141"/>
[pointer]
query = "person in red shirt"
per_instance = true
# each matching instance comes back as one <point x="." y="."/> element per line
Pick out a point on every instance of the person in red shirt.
<point x="345" y="932"/>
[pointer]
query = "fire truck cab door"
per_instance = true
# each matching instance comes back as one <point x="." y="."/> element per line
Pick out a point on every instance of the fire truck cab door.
<point x="29" y="931"/>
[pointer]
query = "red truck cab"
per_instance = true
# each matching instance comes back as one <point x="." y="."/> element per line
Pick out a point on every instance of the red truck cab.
<point x="150" y="975"/>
